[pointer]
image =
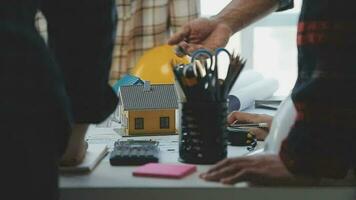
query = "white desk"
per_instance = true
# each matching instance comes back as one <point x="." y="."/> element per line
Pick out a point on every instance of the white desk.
<point x="108" y="182"/>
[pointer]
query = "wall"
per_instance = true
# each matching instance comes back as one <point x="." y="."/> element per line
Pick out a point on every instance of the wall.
<point x="152" y="121"/>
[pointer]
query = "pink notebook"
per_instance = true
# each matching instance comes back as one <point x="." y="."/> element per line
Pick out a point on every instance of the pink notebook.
<point x="164" y="170"/>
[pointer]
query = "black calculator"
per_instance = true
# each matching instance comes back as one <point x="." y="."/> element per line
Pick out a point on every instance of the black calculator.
<point x="241" y="137"/>
<point x="134" y="152"/>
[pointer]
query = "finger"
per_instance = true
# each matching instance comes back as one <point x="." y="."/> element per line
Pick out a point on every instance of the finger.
<point x="259" y="133"/>
<point x="229" y="161"/>
<point x="184" y="46"/>
<point x="179" y="36"/>
<point x="220" y="165"/>
<point x="202" y="175"/>
<point x="222" y="173"/>
<point x="193" y="47"/>
<point x="189" y="48"/>
<point x="249" y="175"/>
<point x="241" y="117"/>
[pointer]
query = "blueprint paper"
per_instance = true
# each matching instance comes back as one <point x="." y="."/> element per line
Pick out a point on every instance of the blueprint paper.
<point x="243" y="98"/>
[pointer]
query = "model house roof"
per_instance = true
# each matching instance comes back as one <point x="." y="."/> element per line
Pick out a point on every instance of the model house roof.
<point x="145" y="97"/>
<point x="127" y="80"/>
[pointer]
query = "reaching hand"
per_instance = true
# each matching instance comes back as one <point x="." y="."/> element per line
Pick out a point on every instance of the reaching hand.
<point x="202" y="33"/>
<point x="240" y="117"/>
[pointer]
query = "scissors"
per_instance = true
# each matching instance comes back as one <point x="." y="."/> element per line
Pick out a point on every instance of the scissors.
<point x="211" y="73"/>
<point x="210" y="56"/>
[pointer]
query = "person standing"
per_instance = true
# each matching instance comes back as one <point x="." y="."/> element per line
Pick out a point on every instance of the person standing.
<point x="51" y="92"/>
<point x="320" y="143"/>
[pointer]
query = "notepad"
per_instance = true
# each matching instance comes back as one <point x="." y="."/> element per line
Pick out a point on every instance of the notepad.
<point x="95" y="153"/>
<point x="161" y="170"/>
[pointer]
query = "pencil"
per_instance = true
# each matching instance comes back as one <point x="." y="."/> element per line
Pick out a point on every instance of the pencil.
<point x="250" y="125"/>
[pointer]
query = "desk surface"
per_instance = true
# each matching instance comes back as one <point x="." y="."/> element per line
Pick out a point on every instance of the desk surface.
<point x="113" y="182"/>
<point x="107" y="176"/>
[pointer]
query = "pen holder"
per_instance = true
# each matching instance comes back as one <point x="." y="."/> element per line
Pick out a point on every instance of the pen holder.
<point x="203" y="136"/>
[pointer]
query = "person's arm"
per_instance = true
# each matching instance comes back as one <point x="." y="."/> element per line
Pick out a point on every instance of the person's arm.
<point x="241" y="117"/>
<point x="241" y="13"/>
<point x="81" y="35"/>
<point x="214" y="32"/>
<point x="76" y="147"/>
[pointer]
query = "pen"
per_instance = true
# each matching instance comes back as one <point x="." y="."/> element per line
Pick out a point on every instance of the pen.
<point x="250" y="125"/>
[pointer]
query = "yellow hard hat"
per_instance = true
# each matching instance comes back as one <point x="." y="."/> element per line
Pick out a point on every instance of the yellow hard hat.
<point x="156" y="64"/>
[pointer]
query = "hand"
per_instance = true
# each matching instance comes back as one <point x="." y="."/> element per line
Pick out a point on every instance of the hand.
<point x="240" y="117"/>
<point x="77" y="146"/>
<point x="257" y="170"/>
<point x="202" y="33"/>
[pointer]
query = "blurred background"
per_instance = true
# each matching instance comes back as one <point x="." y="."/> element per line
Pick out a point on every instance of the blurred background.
<point x="269" y="45"/>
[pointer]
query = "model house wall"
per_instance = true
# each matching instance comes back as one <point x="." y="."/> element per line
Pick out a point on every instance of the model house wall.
<point x="151" y="122"/>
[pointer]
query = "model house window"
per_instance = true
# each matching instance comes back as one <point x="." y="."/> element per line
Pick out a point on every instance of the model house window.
<point x="164" y="122"/>
<point x="138" y="123"/>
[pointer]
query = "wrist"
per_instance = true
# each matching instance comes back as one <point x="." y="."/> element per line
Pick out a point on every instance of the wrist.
<point x="241" y="13"/>
<point x="221" y="21"/>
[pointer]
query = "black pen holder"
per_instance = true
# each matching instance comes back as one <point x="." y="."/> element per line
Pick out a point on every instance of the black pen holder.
<point x="203" y="135"/>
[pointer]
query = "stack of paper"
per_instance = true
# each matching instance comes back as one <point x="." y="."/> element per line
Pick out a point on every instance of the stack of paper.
<point x="249" y="87"/>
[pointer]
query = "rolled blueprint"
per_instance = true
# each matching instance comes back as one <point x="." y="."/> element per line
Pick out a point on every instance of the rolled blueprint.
<point x="247" y="77"/>
<point x="240" y="99"/>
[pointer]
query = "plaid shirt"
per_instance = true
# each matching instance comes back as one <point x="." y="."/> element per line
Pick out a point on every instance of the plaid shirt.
<point x="142" y="24"/>
<point x="321" y="142"/>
